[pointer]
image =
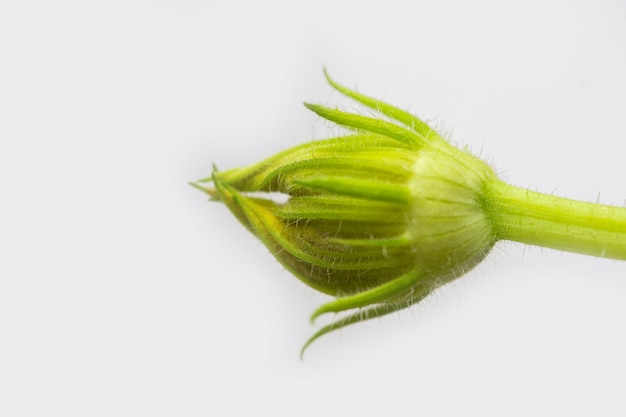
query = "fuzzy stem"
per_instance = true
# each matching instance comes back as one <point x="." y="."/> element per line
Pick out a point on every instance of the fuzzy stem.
<point x="555" y="222"/>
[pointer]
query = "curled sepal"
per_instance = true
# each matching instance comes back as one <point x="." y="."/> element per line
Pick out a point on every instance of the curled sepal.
<point x="380" y="294"/>
<point x="371" y="312"/>
<point x="370" y="124"/>
<point x="415" y="123"/>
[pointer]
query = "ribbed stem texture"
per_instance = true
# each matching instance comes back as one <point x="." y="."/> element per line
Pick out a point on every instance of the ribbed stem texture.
<point x="555" y="222"/>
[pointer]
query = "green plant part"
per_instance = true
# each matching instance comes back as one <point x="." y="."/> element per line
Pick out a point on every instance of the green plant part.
<point x="383" y="216"/>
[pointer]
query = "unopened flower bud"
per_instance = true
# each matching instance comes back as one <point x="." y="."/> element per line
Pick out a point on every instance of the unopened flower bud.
<point x="378" y="218"/>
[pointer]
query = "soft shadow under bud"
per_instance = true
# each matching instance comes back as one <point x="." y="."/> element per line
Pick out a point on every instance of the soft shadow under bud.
<point x="378" y="218"/>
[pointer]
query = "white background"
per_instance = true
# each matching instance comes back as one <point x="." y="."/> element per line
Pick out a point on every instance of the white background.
<point x="124" y="292"/>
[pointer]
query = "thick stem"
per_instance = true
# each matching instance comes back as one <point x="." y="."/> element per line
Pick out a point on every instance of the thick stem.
<point x="554" y="222"/>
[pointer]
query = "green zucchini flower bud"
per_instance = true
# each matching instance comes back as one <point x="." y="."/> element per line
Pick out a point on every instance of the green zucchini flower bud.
<point x="378" y="218"/>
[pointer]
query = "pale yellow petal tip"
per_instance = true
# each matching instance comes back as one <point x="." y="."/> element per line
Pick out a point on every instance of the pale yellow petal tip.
<point x="210" y="191"/>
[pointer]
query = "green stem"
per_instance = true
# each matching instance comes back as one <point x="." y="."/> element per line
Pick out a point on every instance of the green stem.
<point x="555" y="222"/>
